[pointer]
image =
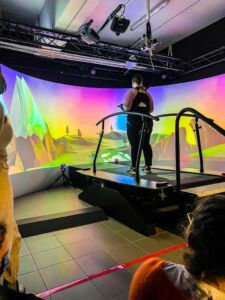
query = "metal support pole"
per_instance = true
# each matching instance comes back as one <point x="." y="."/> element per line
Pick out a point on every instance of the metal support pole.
<point x="98" y="147"/>
<point x="197" y="127"/>
<point x="177" y="151"/>
<point x="142" y="135"/>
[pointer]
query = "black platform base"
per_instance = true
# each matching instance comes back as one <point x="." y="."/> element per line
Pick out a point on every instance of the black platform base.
<point x="140" y="205"/>
<point x="117" y="206"/>
<point x="53" y="222"/>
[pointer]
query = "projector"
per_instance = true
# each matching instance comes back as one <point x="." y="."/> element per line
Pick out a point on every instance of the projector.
<point x="88" y="34"/>
<point x="119" y="25"/>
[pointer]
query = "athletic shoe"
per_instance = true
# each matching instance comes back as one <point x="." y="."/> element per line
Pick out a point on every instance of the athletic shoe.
<point x="14" y="286"/>
<point x="132" y="171"/>
<point x="148" y="169"/>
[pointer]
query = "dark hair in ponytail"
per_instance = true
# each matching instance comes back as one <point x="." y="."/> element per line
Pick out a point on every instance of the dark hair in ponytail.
<point x="138" y="79"/>
<point x="207" y="239"/>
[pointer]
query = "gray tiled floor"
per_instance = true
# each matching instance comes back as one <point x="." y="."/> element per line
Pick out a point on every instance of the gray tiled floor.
<point x="59" y="199"/>
<point x="53" y="259"/>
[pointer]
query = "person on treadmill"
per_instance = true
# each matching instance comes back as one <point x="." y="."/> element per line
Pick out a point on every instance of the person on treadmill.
<point x="139" y="100"/>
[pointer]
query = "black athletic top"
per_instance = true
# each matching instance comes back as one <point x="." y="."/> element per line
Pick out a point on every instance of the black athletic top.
<point x="140" y="104"/>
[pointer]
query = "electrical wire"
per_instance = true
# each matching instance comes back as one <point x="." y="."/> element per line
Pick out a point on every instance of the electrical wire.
<point x="111" y="16"/>
<point x="124" y="8"/>
<point x="148" y="37"/>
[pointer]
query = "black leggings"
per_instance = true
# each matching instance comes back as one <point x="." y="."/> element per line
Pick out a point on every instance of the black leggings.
<point x="134" y="134"/>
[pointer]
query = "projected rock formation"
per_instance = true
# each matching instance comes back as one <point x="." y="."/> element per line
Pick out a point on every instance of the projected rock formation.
<point x="34" y="143"/>
<point x="4" y="106"/>
<point x="209" y="136"/>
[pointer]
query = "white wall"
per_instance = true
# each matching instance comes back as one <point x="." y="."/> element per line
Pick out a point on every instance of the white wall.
<point x="30" y="181"/>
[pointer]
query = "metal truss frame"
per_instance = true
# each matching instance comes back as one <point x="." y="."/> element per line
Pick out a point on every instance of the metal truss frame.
<point x="47" y="42"/>
<point x="206" y="60"/>
<point x="66" y="46"/>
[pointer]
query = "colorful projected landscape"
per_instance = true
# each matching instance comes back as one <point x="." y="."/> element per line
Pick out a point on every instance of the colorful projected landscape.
<point x="54" y="124"/>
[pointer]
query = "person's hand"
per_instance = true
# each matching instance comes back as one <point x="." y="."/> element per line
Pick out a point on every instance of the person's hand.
<point x="121" y="107"/>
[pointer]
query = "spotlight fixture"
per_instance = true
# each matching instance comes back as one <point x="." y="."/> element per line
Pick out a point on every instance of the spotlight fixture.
<point x="142" y="20"/>
<point x="93" y="71"/>
<point x="88" y="34"/>
<point x="119" y="24"/>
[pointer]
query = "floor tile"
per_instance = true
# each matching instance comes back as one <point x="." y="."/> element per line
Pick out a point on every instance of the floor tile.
<point x="126" y="252"/>
<point x="85" y="291"/>
<point x="96" y="262"/>
<point x="32" y="282"/>
<point x="115" y="225"/>
<point x="38" y="236"/>
<point x="59" y="199"/>
<point x="61" y="273"/>
<point x="108" y="239"/>
<point x="94" y="229"/>
<point x="122" y="296"/>
<point x="66" y="255"/>
<point x="175" y="256"/>
<point x="131" y="235"/>
<point x="82" y="248"/>
<point x="51" y="257"/>
<point x="152" y="244"/>
<point x="132" y="269"/>
<point x="39" y="245"/>
<point x="27" y="264"/>
<point x="62" y="231"/>
<point x="170" y="237"/>
<point x="113" y="284"/>
<point x="71" y="236"/>
<point x="24" y="250"/>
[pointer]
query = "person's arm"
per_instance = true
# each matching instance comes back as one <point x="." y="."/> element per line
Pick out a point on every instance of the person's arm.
<point x="151" y="103"/>
<point x="2" y="117"/>
<point x="2" y="83"/>
<point x="128" y="101"/>
<point x="147" y="281"/>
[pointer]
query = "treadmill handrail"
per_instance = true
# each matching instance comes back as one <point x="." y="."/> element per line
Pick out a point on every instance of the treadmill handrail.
<point x="196" y="114"/>
<point x="155" y="118"/>
<point x="175" y="115"/>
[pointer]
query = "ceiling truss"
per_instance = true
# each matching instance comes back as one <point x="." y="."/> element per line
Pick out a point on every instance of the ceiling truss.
<point x="67" y="47"/>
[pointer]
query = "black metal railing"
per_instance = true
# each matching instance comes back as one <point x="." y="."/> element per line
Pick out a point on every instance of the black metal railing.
<point x="197" y="127"/>
<point x="197" y="116"/>
<point x="193" y="114"/>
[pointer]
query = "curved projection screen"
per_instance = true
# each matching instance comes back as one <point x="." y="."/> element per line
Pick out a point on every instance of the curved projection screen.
<point x="54" y="124"/>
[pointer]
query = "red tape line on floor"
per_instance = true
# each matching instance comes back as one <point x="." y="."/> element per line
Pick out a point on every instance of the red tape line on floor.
<point x="108" y="271"/>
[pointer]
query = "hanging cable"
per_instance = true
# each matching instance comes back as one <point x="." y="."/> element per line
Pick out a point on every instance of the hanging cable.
<point x="111" y="16"/>
<point x="148" y="37"/>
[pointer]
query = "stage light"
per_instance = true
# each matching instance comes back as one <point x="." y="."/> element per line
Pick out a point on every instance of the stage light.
<point x="88" y="34"/>
<point x="93" y="71"/>
<point x="142" y="20"/>
<point x="119" y="24"/>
